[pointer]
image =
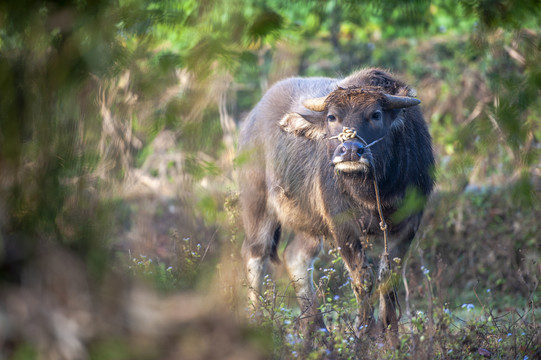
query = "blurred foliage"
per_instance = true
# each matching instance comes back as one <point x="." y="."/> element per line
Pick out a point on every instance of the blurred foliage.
<point x="118" y="121"/>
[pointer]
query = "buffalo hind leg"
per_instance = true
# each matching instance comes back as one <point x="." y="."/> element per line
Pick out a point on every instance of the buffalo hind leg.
<point x="255" y="270"/>
<point x="258" y="248"/>
<point x="299" y="257"/>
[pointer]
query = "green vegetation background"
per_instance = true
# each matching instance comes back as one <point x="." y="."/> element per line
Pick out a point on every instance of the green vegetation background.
<point x="119" y="229"/>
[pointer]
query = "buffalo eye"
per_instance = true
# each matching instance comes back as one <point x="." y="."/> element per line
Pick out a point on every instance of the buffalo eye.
<point x="376" y="115"/>
<point x="331" y="118"/>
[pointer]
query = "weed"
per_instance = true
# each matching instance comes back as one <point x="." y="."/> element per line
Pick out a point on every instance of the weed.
<point x="181" y="274"/>
<point x="467" y="331"/>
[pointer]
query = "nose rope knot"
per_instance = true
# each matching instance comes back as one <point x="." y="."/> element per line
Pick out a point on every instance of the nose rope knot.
<point x="350" y="134"/>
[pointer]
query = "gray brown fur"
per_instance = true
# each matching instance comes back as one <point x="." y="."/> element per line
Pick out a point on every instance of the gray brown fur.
<point x="290" y="181"/>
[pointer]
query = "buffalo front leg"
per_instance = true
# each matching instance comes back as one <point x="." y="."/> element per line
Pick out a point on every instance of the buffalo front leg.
<point x="362" y="282"/>
<point x="387" y="300"/>
<point x="389" y="307"/>
<point x="299" y="257"/>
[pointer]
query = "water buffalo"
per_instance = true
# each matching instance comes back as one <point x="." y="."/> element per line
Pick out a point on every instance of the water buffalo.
<point x="315" y="147"/>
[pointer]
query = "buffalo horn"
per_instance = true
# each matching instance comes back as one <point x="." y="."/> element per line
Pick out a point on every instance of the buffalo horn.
<point x="398" y="102"/>
<point x="315" y="104"/>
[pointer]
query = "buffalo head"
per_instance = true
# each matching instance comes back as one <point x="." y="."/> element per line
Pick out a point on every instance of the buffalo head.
<point x="352" y="120"/>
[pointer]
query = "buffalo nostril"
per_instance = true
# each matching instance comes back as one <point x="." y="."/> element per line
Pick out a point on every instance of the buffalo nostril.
<point x="343" y="150"/>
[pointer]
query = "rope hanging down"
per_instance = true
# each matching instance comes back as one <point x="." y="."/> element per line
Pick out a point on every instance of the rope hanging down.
<point x="382" y="224"/>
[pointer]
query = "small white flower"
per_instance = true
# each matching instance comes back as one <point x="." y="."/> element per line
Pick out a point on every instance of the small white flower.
<point x="291" y="339"/>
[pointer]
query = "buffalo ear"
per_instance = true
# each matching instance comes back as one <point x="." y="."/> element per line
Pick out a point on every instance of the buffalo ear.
<point x="302" y="125"/>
